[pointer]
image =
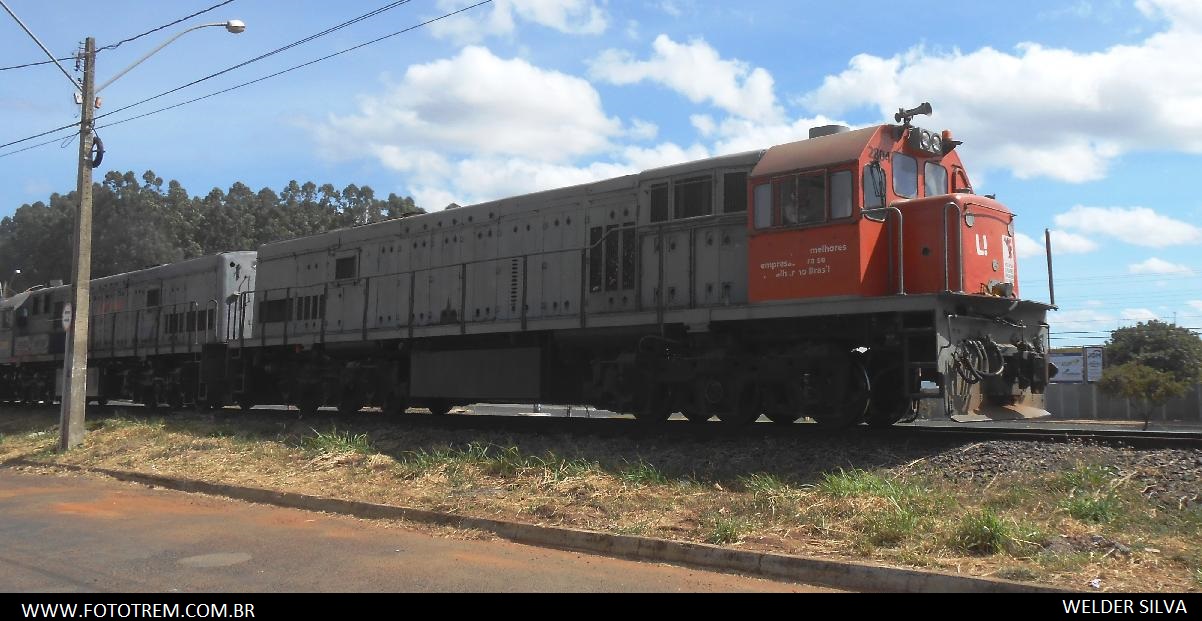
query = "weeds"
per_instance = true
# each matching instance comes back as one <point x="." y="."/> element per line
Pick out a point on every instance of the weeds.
<point x="863" y="483"/>
<point x="1095" y="508"/>
<point x="890" y="528"/>
<point x="724" y="529"/>
<point x="642" y="473"/>
<point x="334" y="441"/>
<point x="769" y="495"/>
<point x="984" y="533"/>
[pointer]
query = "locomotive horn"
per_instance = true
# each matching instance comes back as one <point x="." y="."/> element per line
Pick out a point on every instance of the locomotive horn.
<point x="906" y="115"/>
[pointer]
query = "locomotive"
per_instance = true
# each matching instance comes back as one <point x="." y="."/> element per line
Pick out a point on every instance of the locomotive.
<point x="844" y="278"/>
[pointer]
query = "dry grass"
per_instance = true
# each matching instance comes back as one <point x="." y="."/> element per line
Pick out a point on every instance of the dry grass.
<point x="1063" y="528"/>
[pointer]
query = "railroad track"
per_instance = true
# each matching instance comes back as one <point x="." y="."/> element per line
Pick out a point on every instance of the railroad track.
<point x="610" y="426"/>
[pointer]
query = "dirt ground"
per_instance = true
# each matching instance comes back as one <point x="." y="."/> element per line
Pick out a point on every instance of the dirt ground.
<point x="1083" y="517"/>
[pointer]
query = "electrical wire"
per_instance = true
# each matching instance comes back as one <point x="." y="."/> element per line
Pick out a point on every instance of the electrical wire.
<point x="40" y="62"/>
<point x="368" y="15"/>
<point x="290" y="69"/>
<point x="248" y="83"/>
<point x="39" y="43"/>
<point x="307" y="39"/>
<point x="116" y="45"/>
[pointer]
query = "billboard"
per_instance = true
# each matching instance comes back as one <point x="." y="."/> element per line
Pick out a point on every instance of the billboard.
<point x="1083" y="365"/>
<point x="1070" y="367"/>
<point x="1093" y="364"/>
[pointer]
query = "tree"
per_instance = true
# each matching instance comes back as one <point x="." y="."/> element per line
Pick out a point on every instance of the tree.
<point x="1151" y="363"/>
<point x="140" y="224"/>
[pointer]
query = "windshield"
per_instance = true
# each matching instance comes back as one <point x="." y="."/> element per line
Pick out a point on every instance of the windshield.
<point x="936" y="179"/>
<point x="874" y="186"/>
<point x="905" y="175"/>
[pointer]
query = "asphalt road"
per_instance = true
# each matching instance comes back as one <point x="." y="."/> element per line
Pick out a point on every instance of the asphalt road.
<point x="74" y="533"/>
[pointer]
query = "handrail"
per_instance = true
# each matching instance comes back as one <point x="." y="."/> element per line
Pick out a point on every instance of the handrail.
<point x="959" y="247"/>
<point x="901" y="247"/>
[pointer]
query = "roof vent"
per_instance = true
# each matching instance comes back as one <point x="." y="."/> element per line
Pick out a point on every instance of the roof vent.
<point x="828" y="130"/>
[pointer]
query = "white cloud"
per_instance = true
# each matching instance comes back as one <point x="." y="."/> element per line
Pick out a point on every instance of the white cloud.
<point x="1026" y="246"/>
<point x="1195" y="304"/>
<point x="1040" y="111"/>
<point x="477" y="103"/>
<point x="477" y="127"/>
<point x="1069" y="243"/>
<point x="502" y="17"/>
<point x="642" y="130"/>
<point x="1084" y="320"/>
<point x="1062" y="243"/>
<point x="1137" y="315"/>
<point x="1159" y="266"/>
<point x="1135" y="225"/>
<point x="698" y="72"/>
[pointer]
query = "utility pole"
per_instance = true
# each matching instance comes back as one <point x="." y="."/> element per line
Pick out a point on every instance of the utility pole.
<point x="75" y="360"/>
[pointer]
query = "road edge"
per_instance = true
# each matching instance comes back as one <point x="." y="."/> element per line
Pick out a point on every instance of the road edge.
<point x="810" y="570"/>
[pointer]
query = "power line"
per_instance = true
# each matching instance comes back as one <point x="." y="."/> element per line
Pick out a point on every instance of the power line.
<point x="40" y="62"/>
<point x="289" y="46"/>
<point x="118" y="44"/>
<point x="248" y="83"/>
<point x="39" y="42"/>
<point x="182" y="19"/>
<point x="355" y="20"/>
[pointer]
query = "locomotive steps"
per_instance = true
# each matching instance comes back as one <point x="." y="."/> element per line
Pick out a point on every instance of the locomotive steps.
<point x="948" y="514"/>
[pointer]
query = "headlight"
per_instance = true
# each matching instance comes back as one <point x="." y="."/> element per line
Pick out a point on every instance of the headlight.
<point x="936" y="144"/>
<point x="926" y="140"/>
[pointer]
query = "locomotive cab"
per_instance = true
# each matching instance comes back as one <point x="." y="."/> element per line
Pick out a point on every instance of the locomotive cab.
<point x="885" y="214"/>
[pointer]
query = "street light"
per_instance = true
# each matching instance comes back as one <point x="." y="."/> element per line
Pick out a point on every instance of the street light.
<point x="75" y="360"/>
<point x="235" y="26"/>
<point x="6" y="289"/>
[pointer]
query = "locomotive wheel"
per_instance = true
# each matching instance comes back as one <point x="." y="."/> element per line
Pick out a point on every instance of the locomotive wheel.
<point x="890" y="402"/>
<point x="395" y="404"/>
<point x="747" y="407"/>
<point x="696" y="416"/>
<point x="658" y="406"/>
<point x="150" y="398"/>
<point x="439" y="407"/>
<point x="309" y="402"/>
<point x="351" y="404"/>
<point x="852" y="410"/>
<point x="246" y="402"/>
<point x="783" y="418"/>
<point x="175" y="400"/>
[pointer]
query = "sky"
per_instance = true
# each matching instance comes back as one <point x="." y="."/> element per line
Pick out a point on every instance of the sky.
<point x="1083" y="117"/>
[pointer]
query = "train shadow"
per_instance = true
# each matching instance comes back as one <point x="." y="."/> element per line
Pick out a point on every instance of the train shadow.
<point x="707" y="453"/>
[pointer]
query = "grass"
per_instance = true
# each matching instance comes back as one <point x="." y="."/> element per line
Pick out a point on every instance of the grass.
<point x="725" y="529"/>
<point x="983" y="532"/>
<point x="844" y="484"/>
<point x="891" y="527"/>
<point x="1093" y="508"/>
<point x="334" y="442"/>
<point x="642" y="473"/>
<point x="781" y="495"/>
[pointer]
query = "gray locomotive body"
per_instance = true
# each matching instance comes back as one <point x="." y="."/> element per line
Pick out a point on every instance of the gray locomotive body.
<point x="156" y="335"/>
<point x="637" y="294"/>
<point x="844" y="278"/>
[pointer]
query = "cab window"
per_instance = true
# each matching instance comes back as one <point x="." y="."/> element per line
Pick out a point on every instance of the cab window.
<point x="935" y="177"/>
<point x="841" y="198"/>
<point x="763" y="206"/>
<point x="874" y="186"/>
<point x="905" y="175"/>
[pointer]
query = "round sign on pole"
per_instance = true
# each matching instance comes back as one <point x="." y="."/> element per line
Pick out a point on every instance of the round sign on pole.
<point x="67" y="316"/>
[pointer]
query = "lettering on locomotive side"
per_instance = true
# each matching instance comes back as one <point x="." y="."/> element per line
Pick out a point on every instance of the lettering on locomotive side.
<point x="828" y="248"/>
